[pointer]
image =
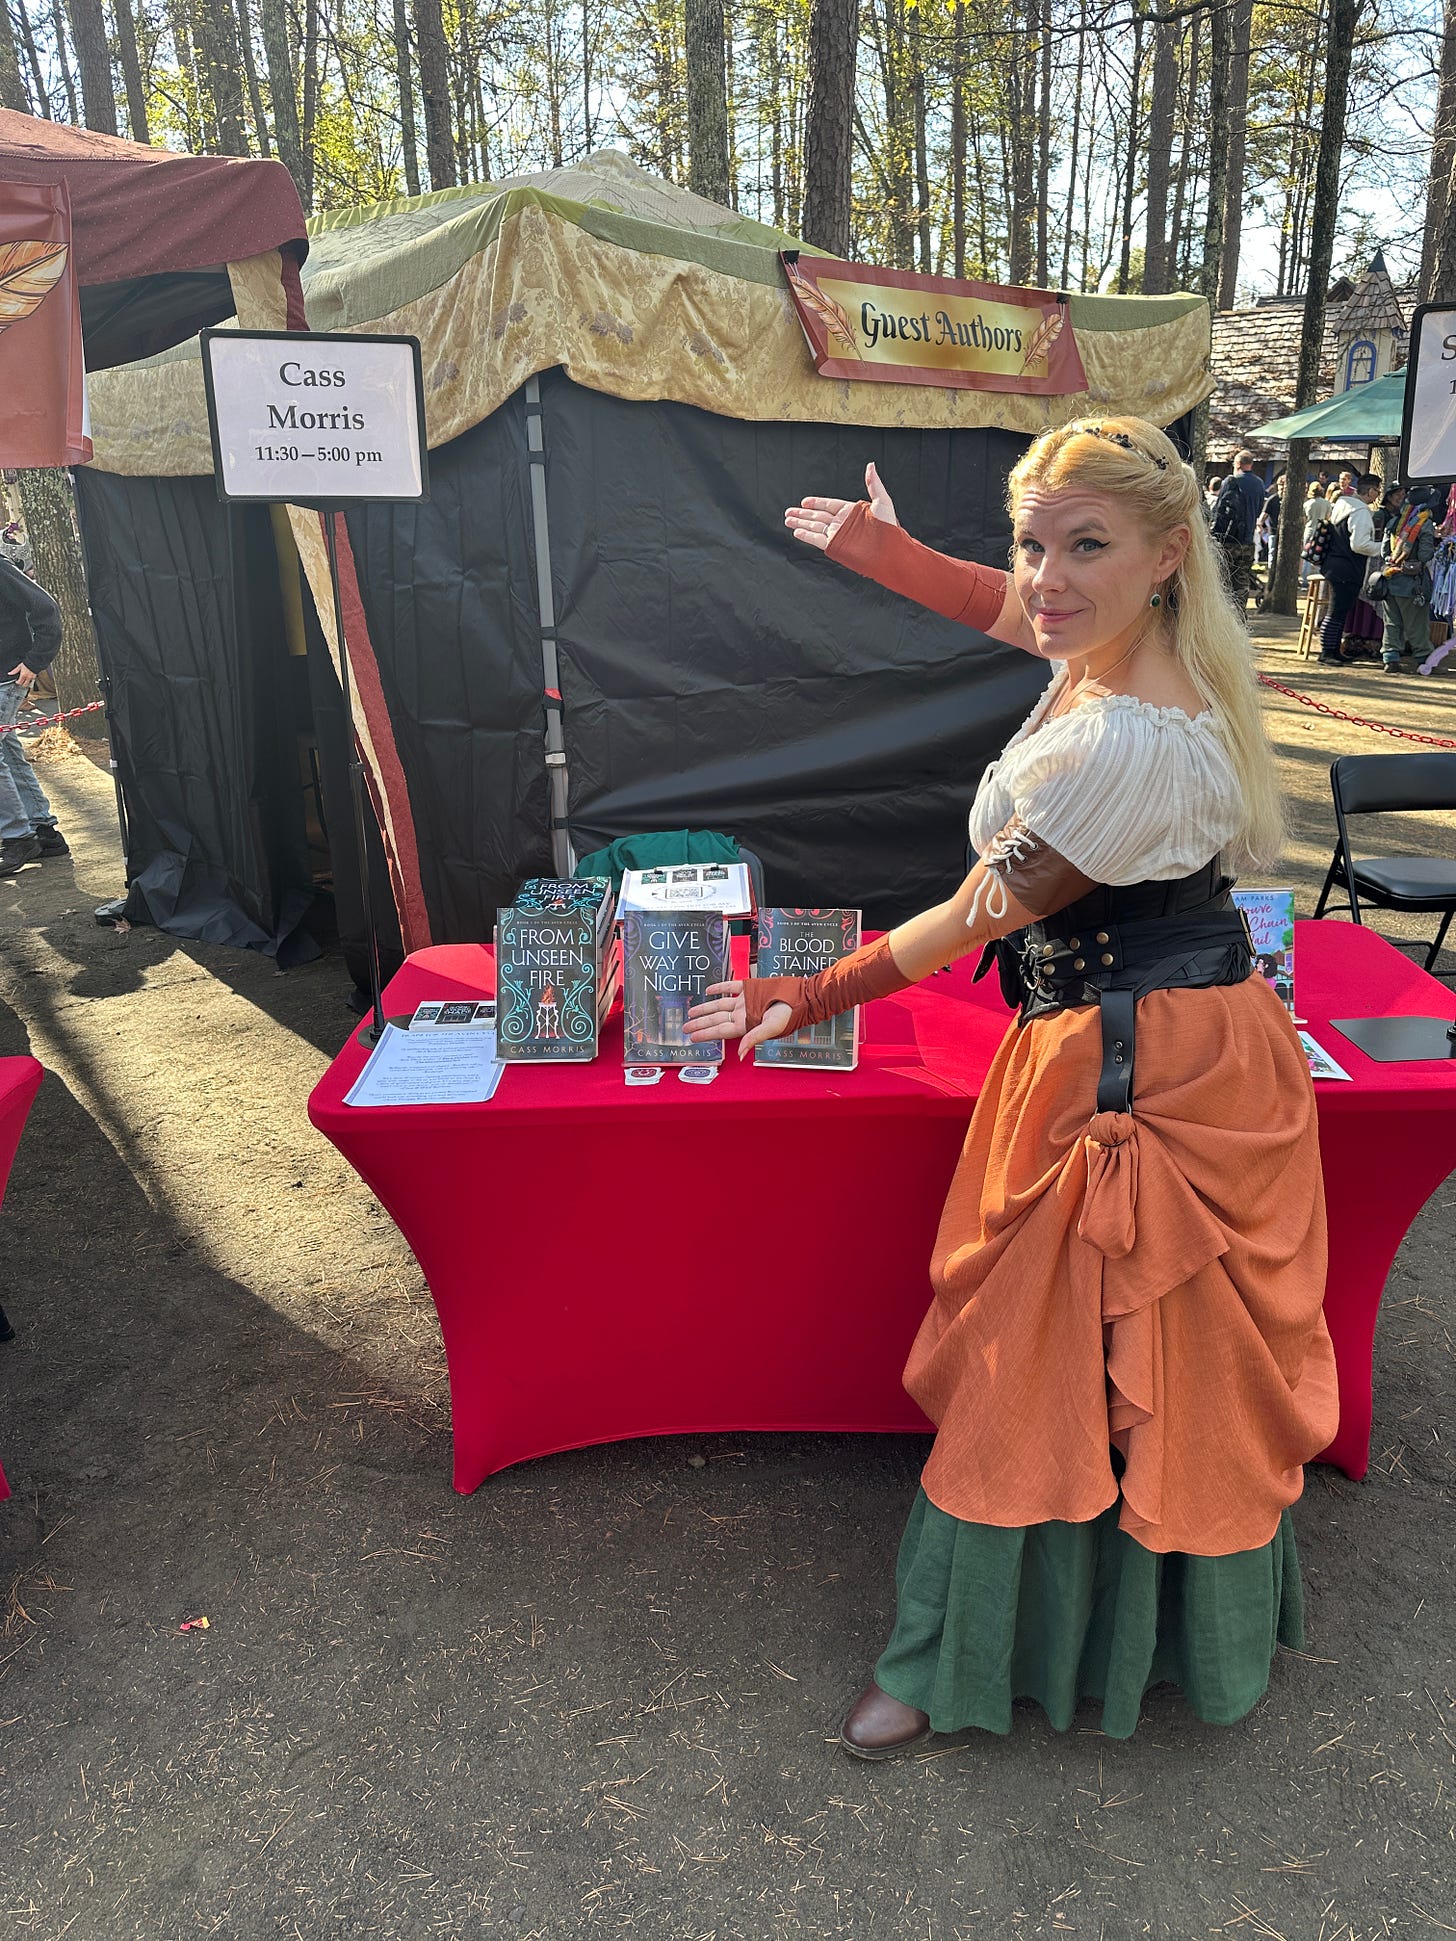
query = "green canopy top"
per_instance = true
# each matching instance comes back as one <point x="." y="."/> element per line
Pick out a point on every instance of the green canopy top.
<point x="1364" y="415"/>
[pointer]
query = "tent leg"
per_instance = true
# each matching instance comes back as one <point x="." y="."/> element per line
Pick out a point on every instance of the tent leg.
<point x="374" y="1031"/>
<point x="563" y="858"/>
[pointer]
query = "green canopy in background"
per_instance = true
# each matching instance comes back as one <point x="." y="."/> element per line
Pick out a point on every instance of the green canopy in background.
<point x="1364" y="415"/>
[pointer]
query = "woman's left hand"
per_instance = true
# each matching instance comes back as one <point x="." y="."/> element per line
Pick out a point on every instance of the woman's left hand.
<point x="723" y="1014"/>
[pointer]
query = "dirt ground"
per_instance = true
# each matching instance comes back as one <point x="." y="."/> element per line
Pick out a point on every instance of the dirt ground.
<point x="597" y="1697"/>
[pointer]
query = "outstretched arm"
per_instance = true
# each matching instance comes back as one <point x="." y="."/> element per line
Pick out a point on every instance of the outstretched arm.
<point x="1020" y="880"/>
<point x="868" y="539"/>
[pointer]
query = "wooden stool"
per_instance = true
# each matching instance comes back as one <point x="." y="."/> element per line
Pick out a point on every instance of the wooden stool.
<point x="1316" y="607"/>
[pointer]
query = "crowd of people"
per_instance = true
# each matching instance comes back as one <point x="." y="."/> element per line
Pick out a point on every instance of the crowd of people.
<point x="1373" y="544"/>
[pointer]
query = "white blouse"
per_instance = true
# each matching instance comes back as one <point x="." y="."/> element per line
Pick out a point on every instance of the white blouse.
<point x="1127" y="792"/>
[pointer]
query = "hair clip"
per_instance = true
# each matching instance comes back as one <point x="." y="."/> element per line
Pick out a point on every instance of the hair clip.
<point x="1121" y="438"/>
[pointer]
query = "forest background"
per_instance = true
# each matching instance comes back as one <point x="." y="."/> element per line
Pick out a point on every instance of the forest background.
<point x="1064" y="143"/>
<point x="1232" y="147"/>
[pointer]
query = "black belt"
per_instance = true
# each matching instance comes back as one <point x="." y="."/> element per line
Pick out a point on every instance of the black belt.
<point x="1114" y="946"/>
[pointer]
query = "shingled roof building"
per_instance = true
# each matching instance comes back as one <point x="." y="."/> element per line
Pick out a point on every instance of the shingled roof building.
<point x="1256" y="358"/>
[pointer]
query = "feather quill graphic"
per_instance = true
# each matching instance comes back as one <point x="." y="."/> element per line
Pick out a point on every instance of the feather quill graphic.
<point x="835" y="320"/>
<point x="1045" y="335"/>
<point x="29" y="271"/>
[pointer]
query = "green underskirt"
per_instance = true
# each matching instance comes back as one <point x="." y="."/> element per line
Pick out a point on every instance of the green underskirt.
<point x="1059" y="1612"/>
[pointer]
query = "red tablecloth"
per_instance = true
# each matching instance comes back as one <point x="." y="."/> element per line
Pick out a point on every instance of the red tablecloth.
<point x="753" y="1254"/>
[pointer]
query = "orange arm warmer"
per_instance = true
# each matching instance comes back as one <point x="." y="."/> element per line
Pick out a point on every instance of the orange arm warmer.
<point x="868" y="972"/>
<point x="956" y="588"/>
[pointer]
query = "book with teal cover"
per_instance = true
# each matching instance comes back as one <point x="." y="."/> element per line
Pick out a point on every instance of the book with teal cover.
<point x="669" y="958"/>
<point x="796" y="943"/>
<point x="555" y="959"/>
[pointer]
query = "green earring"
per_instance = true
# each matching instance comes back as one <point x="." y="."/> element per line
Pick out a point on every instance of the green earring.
<point x="1156" y="601"/>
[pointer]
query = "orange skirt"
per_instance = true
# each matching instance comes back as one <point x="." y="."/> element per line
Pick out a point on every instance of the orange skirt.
<point x="1150" y="1283"/>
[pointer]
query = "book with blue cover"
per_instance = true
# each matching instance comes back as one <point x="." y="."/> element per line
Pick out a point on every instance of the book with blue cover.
<point x="669" y="958"/>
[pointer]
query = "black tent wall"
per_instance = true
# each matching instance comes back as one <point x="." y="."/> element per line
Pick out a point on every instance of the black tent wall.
<point x="203" y="709"/>
<point x="715" y="673"/>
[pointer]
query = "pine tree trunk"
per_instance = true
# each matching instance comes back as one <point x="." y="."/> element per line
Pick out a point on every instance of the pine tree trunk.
<point x="50" y="525"/>
<point x="829" y="133"/>
<point x="1218" y="100"/>
<point x="1339" y="47"/>
<point x="1156" y="277"/>
<point x="1134" y="149"/>
<point x="404" y="73"/>
<point x="12" y="86"/>
<point x="310" y="79"/>
<point x="217" y="38"/>
<point x="1438" y="250"/>
<point x="58" y="19"/>
<point x="1044" y="151"/>
<point x="93" y="59"/>
<point x="250" y="75"/>
<point x="922" y="152"/>
<point x="435" y="93"/>
<point x="707" y="101"/>
<point x="131" y="72"/>
<point x="40" y="94"/>
<point x="958" y="140"/>
<point x="1242" y="28"/>
<point x="282" y="89"/>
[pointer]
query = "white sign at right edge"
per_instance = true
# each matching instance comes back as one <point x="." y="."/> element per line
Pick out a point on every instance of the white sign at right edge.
<point x="1428" y="437"/>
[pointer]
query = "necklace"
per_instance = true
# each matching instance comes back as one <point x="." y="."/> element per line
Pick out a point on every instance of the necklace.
<point x="1070" y="695"/>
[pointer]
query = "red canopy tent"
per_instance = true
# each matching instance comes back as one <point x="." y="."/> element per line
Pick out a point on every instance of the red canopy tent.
<point x="165" y="244"/>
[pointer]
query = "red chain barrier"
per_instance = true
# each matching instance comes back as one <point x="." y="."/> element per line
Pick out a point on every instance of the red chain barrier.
<point x="48" y="720"/>
<point x="1355" y="720"/>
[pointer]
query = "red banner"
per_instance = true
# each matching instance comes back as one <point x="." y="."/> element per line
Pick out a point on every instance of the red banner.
<point x="897" y="327"/>
<point x="42" y="379"/>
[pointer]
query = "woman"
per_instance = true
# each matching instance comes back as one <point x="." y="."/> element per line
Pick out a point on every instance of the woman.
<point x="1349" y="549"/>
<point x="1410" y="546"/>
<point x="1316" y="511"/>
<point x="1125" y="1354"/>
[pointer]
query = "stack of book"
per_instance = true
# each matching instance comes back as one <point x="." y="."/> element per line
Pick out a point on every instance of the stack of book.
<point x="557" y="969"/>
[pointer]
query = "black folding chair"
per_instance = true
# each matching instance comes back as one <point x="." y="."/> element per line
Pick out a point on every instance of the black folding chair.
<point x="1381" y="785"/>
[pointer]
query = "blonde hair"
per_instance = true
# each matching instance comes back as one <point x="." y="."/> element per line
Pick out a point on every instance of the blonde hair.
<point x="1138" y="466"/>
<point x="1332" y="490"/>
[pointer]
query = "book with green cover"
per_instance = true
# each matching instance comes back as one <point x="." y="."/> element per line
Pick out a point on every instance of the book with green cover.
<point x="555" y="970"/>
<point x="796" y="943"/>
<point x="669" y="958"/>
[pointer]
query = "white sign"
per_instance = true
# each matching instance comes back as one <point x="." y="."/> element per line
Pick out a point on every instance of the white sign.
<point x="306" y="418"/>
<point x="1428" y="434"/>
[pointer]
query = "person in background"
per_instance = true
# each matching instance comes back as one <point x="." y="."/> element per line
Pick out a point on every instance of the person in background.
<point x="1410" y="546"/>
<point x="1235" y="521"/>
<point x="1387" y="515"/>
<point x="1348" y="551"/>
<point x="1316" y="511"/>
<point x="30" y="631"/>
<point x="1210" y="497"/>
<point x="1269" y="524"/>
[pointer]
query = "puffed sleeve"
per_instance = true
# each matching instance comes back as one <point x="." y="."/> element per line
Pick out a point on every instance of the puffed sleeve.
<point x="1126" y="793"/>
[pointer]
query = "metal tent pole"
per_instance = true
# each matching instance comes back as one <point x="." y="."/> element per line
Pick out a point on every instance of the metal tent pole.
<point x="563" y="858"/>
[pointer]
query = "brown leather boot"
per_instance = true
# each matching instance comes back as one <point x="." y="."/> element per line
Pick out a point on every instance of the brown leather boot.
<point x="880" y="1727"/>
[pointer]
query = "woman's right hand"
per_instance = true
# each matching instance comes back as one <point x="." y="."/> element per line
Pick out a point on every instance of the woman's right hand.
<point x="816" y="521"/>
<point x="723" y="1014"/>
